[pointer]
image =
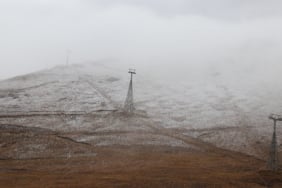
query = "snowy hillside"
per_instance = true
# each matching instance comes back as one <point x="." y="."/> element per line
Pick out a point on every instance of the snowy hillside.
<point x="215" y="108"/>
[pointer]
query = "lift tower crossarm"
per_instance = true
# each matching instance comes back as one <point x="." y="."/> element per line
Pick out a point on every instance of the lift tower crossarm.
<point x="275" y="117"/>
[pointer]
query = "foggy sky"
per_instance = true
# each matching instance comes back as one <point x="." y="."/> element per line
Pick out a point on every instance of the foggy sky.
<point x="245" y="34"/>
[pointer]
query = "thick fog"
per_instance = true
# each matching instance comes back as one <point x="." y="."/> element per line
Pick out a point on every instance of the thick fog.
<point x="164" y="36"/>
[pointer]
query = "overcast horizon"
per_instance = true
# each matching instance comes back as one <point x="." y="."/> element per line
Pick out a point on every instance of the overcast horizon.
<point x="36" y="34"/>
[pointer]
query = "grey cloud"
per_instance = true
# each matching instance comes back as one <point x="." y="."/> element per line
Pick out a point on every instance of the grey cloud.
<point x="35" y="34"/>
<point x="219" y="9"/>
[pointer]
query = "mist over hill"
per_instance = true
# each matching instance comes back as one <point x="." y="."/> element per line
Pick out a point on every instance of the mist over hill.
<point x="208" y="77"/>
<point x="171" y="35"/>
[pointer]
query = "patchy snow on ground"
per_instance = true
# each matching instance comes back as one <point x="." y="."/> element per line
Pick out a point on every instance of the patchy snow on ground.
<point x="139" y="138"/>
<point x="192" y="104"/>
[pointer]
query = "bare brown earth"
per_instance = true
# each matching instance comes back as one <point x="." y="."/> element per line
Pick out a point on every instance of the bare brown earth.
<point x="38" y="157"/>
<point x="139" y="166"/>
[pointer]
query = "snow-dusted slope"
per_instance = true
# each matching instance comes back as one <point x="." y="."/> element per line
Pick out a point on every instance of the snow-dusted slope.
<point x="215" y="108"/>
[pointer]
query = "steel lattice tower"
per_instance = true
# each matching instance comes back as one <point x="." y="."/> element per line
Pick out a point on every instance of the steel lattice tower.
<point x="273" y="160"/>
<point x="129" y="105"/>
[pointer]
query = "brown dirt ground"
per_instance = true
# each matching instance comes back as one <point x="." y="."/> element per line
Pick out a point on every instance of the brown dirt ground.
<point x="140" y="166"/>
